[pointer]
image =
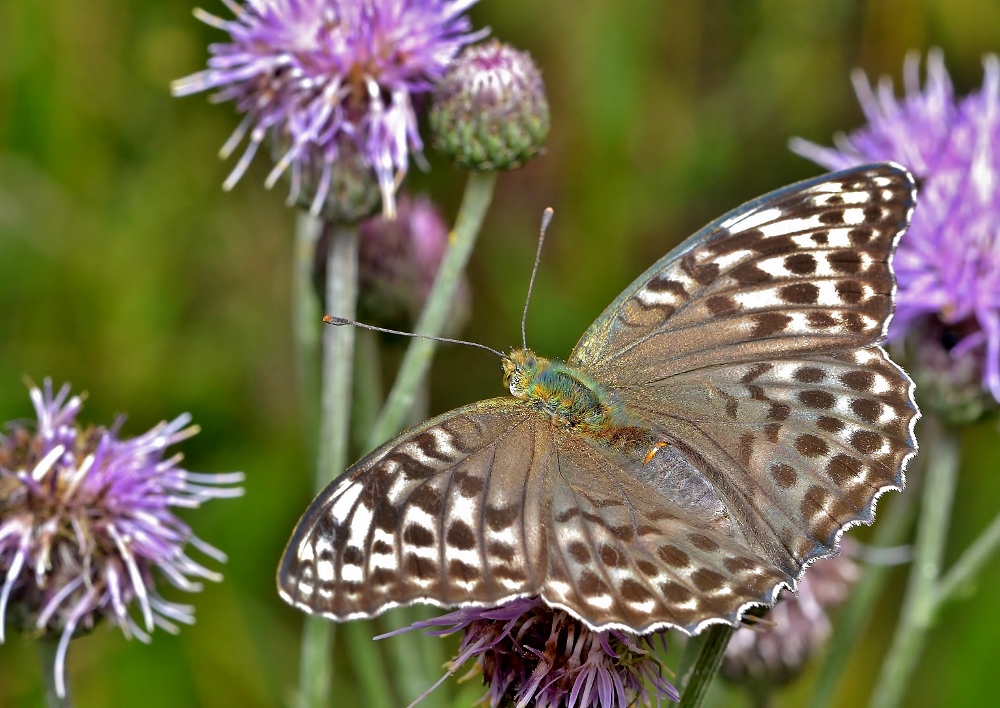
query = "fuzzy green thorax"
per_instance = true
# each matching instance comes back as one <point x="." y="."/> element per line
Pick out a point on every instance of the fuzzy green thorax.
<point x="569" y="395"/>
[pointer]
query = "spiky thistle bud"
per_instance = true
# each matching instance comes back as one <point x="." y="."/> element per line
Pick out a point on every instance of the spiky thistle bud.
<point x="490" y="111"/>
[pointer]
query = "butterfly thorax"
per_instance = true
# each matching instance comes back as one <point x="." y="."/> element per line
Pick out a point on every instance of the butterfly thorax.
<point x="569" y="395"/>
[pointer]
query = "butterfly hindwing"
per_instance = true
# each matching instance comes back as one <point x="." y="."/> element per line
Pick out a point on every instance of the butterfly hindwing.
<point x="625" y="553"/>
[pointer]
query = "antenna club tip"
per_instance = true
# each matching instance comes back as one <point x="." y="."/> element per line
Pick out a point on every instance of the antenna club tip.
<point x="331" y="320"/>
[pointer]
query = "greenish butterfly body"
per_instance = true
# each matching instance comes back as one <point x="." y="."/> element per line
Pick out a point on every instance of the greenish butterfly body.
<point x="712" y="433"/>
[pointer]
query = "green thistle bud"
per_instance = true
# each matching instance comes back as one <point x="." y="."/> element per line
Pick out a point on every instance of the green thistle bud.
<point x="490" y="111"/>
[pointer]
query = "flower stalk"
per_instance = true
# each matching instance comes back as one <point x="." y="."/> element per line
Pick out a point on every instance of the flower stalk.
<point x="416" y="362"/>
<point x="922" y="599"/>
<point x="48" y="651"/>
<point x="701" y="661"/>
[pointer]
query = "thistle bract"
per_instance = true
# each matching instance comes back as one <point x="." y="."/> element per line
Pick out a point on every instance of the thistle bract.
<point x="87" y="525"/>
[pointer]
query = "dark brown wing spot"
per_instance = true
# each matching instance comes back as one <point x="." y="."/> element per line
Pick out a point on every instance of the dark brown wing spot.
<point x="745" y="449"/>
<point x="426" y="499"/>
<point x="501" y="551"/>
<point x="469" y="486"/>
<point x="755" y="372"/>
<point x="611" y="558"/>
<point x="707" y="580"/>
<point x="663" y="284"/>
<point x="633" y="591"/>
<point x="749" y="274"/>
<point x="844" y="469"/>
<point x="769" y="323"/>
<point x="676" y="593"/>
<point x="460" y="536"/>
<point x="461" y="569"/>
<point x="800" y="294"/>
<point x="418" y="536"/>
<point x="779" y="411"/>
<point x="801" y="263"/>
<point x="820" y="320"/>
<point x="702" y="274"/>
<point x="843" y="261"/>
<point x="809" y="374"/>
<point x="811" y="446"/>
<point x="849" y="291"/>
<point x="648" y="569"/>
<point x="673" y="556"/>
<point x="499" y="518"/>
<point x="867" y="409"/>
<point x="419" y="567"/>
<point x="784" y="476"/>
<point x="721" y="305"/>
<point x="866" y="442"/>
<point x="830" y="425"/>
<point x="815" y="398"/>
<point x="580" y="552"/>
<point x="860" y="236"/>
<point x="859" y="380"/>
<point x="592" y="584"/>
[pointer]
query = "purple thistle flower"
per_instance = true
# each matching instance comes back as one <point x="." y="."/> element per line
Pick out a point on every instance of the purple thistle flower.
<point x="948" y="263"/>
<point x="85" y="517"/>
<point x="533" y="655"/>
<point x="320" y="75"/>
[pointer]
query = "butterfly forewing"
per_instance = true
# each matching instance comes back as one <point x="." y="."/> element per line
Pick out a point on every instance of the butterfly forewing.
<point x="439" y="514"/>
<point x="749" y="354"/>
<point x="804" y="269"/>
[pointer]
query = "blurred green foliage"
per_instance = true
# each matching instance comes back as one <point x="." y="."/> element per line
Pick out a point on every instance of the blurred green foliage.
<point x="126" y="270"/>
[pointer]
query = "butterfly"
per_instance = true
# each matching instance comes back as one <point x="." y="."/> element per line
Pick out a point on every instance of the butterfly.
<point x="715" y="431"/>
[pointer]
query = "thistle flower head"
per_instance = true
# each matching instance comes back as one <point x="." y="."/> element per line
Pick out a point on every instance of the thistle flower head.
<point x="948" y="263"/>
<point x="86" y="517"/>
<point x="490" y="111"/>
<point x="533" y="655"/>
<point x="322" y="76"/>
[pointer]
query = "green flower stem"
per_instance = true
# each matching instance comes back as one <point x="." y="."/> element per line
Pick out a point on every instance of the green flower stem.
<point x="478" y="195"/>
<point x="696" y="675"/>
<point x="334" y="425"/>
<point x="47" y="660"/>
<point x="368" y="666"/>
<point x="971" y="562"/>
<point x="367" y="385"/>
<point x="920" y="605"/>
<point x="893" y="525"/>
<point x="306" y="320"/>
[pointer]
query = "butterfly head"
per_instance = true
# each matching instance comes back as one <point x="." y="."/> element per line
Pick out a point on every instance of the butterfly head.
<point x="520" y="370"/>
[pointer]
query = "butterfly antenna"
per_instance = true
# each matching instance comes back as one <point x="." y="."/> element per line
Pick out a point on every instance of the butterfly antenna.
<point x="546" y="220"/>
<point x="341" y="321"/>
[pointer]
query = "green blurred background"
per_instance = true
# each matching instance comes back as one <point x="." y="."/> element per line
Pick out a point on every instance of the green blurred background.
<point x="126" y="270"/>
